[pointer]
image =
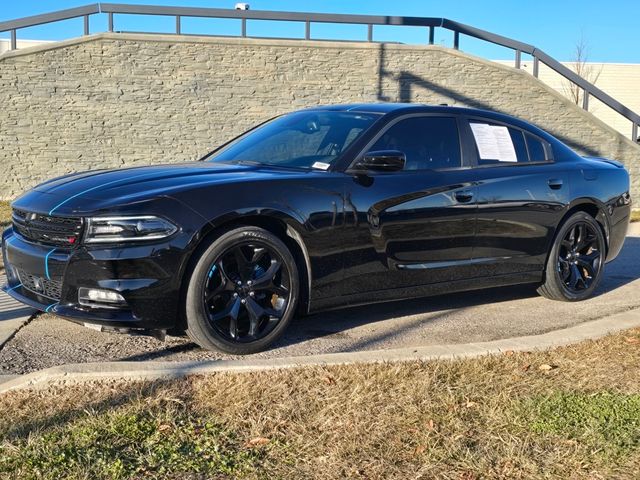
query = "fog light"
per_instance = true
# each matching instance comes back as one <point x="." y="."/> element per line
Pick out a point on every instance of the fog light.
<point x="95" y="297"/>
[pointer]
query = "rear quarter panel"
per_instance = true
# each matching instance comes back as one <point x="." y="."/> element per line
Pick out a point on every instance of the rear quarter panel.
<point x="606" y="186"/>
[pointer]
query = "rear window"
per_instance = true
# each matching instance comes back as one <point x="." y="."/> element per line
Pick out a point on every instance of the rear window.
<point x="537" y="151"/>
<point x="501" y="144"/>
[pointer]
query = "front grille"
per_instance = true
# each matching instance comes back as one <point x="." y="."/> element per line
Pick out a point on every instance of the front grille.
<point x="42" y="286"/>
<point x="48" y="230"/>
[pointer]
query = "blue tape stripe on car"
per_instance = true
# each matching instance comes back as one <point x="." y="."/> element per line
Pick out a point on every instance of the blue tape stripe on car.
<point x="50" y="307"/>
<point x="96" y="187"/>
<point x="13" y="288"/>
<point x="46" y="264"/>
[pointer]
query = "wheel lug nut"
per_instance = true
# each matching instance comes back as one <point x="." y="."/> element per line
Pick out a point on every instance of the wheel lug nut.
<point x="251" y="294"/>
<point x="239" y="283"/>
<point x="243" y="301"/>
<point x="249" y="282"/>
<point x="235" y="295"/>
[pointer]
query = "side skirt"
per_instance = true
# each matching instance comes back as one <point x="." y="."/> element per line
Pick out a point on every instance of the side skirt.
<point x="379" y="296"/>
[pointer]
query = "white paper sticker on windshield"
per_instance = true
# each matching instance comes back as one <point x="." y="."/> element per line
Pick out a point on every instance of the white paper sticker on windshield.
<point x="494" y="142"/>
<point x="321" y="165"/>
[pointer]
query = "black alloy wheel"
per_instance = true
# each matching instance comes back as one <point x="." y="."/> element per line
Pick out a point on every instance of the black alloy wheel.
<point x="576" y="261"/>
<point x="579" y="257"/>
<point x="242" y="293"/>
<point x="246" y="292"/>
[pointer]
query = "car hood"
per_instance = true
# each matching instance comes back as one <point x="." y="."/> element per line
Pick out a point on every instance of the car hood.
<point x="105" y="188"/>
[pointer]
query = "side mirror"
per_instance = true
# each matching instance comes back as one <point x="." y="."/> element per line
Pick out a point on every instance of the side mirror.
<point x="382" y="161"/>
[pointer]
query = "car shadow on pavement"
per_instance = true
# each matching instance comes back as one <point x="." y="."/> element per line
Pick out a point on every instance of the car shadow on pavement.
<point x="620" y="272"/>
<point x="335" y="324"/>
<point x="428" y="309"/>
<point x="624" y="269"/>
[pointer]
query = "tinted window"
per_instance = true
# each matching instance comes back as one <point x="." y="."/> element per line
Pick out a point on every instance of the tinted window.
<point x="536" y="149"/>
<point x="428" y="142"/>
<point x="497" y="144"/>
<point x="518" y="142"/>
<point x="301" y="139"/>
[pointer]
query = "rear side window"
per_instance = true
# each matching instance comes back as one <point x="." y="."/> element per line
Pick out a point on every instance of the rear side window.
<point x="537" y="151"/>
<point x="498" y="144"/>
<point x="429" y="143"/>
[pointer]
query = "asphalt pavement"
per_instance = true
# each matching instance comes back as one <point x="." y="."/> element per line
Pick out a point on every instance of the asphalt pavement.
<point x="469" y="317"/>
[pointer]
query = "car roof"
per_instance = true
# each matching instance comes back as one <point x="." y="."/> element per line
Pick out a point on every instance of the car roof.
<point x="403" y="108"/>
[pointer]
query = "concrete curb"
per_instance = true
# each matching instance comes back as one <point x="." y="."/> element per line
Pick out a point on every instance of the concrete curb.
<point x="79" y="373"/>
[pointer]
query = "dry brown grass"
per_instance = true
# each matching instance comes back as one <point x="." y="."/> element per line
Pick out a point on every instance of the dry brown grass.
<point x="493" y="417"/>
<point x="635" y="215"/>
<point x="5" y="214"/>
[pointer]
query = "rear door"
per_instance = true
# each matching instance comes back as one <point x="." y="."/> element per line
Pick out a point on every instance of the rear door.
<point x="521" y="196"/>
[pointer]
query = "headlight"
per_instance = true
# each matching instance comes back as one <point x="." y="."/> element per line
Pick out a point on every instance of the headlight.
<point x="127" y="229"/>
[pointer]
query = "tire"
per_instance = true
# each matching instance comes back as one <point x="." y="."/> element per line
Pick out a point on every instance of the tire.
<point x="238" y="306"/>
<point x="575" y="264"/>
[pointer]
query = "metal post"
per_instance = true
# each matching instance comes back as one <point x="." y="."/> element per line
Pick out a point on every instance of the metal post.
<point x="110" y="27"/>
<point x="634" y="132"/>
<point x="307" y="30"/>
<point x="86" y="25"/>
<point x="585" y="100"/>
<point x="178" y="26"/>
<point x="14" y="41"/>
<point x="370" y="33"/>
<point x="432" y="35"/>
<point x="456" y="40"/>
<point x="536" y="66"/>
<point x="518" y="58"/>
<point x="244" y="27"/>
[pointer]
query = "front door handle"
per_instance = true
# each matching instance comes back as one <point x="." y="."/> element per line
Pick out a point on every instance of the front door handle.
<point x="464" y="196"/>
<point x="555" y="183"/>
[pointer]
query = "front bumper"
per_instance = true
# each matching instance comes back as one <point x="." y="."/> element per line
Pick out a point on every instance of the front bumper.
<point x="147" y="276"/>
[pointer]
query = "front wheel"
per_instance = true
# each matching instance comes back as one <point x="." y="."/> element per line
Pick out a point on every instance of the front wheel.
<point x="576" y="261"/>
<point x="242" y="292"/>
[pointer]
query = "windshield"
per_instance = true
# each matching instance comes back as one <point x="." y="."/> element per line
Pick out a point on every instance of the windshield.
<point x="300" y="139"/>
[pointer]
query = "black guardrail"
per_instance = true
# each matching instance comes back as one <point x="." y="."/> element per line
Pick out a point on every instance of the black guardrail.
<point x="430" y="23"/>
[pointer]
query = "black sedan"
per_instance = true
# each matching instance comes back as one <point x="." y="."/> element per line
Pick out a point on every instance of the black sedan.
<point x="318" y="209"/>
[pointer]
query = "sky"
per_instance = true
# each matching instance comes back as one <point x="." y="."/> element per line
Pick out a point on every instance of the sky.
<point x="608" y="28"/>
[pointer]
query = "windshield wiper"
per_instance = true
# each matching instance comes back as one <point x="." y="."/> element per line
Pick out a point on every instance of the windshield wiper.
<point x="244" y="162"/>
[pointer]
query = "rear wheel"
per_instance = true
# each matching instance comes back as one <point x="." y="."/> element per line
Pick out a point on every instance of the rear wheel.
<point x="576" y="261"/>
<point x="242" y="293"/>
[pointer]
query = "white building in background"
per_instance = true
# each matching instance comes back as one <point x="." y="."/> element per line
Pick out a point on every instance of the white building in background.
<point x="5" y="44"/>
<point x="620" y="80"/>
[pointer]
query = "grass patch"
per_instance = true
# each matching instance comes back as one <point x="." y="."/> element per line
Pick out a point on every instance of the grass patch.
<point x="568" y="413"/>
<point x="608" y="421"/>
<point x="635" y="215"/>
<point x="5" y="214"/>
<point x="130" y="442"/>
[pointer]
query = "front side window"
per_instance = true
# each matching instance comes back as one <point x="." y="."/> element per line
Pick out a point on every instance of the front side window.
<point x="301" y="139"/>
<point x="428" y="142"/>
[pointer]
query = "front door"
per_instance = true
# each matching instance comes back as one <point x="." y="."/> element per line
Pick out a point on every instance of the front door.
<point x="415" y="226"/>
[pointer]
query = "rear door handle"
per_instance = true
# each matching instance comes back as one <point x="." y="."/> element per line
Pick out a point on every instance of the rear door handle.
<point x="464" y="196"/>
<point x="555" y="183"/>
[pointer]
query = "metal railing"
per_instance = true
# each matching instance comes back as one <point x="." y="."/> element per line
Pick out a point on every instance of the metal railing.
<point x="430" y="23"/>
